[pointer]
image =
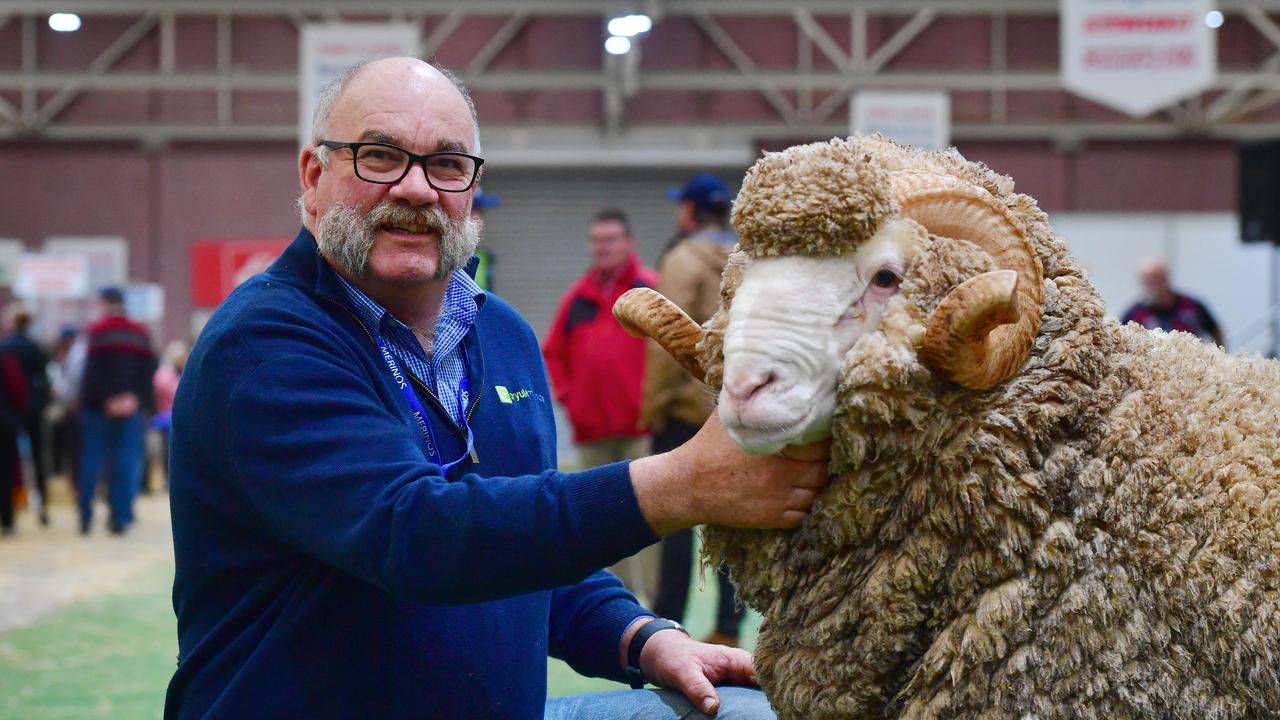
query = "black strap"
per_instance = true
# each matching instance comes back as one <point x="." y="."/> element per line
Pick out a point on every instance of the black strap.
<point x="634" y="674"/>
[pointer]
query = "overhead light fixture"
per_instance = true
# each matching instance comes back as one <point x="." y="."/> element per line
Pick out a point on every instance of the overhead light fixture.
<point x="1213" y="19"/>
<point x="630" y="25"/>
<point x="64" y="22"/>
<point x="616" y="45"/>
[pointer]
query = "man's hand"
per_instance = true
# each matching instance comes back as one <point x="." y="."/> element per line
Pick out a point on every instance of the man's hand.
<point x="711" y="480"/>
<point x="673" y="660"/>
<point x="122" y="405"/>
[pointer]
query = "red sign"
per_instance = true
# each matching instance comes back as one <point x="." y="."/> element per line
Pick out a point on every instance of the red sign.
<point x="218" y="266"/>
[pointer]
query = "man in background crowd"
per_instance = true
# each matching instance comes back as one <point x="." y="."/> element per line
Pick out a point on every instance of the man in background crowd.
<point x="115" y="397"/>
<point x="481" y="203"/>
<point x="675" y="404"/>
<point x="1163" y="307"/>
<point x="597" y="369"/>
<point x="34" y="364"/>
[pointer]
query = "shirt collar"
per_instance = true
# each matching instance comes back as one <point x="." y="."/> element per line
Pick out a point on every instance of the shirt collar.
<point x="463" y="299"/>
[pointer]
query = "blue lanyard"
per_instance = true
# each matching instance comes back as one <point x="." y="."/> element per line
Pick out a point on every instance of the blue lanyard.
<point x="420" y="414"/>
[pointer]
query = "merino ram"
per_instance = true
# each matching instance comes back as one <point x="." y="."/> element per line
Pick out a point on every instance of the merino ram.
<point x="1037" y="512"/>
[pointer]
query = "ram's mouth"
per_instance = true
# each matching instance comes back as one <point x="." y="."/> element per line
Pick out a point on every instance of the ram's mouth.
<point x="769" y="438"/>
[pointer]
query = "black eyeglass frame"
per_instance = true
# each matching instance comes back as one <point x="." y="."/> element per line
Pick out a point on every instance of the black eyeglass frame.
<point x="414" y="159"/>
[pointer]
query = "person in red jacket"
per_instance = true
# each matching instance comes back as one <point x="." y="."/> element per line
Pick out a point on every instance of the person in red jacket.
<point x="597" y="369"/>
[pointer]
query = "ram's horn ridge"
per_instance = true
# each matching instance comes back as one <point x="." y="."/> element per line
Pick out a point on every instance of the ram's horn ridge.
<point x="948" y="207"/>
<point x="645" y="313"/>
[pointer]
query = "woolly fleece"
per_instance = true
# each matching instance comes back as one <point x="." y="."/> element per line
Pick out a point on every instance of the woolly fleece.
<point x="1098" y="537"/>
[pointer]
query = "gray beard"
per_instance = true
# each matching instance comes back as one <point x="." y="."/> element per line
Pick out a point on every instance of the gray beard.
<point x="346" y="237"/>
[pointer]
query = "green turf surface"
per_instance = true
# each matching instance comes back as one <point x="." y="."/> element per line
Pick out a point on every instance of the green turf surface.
<point x="112" y="656"/>
<point x="105" y="657"/>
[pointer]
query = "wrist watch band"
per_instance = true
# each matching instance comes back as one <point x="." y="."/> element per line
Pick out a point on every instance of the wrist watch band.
<point x="634" y="674"/>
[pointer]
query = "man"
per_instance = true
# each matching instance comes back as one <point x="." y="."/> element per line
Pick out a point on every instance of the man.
<point x="597" y="369"/>
<point x="367" y="520"/>
<point x="116" y="394"/>
<point x="481" y="203"/>
<point x="675" y="404"/>
<point x="1162" y="307"/>
<point x="35" y="369"/>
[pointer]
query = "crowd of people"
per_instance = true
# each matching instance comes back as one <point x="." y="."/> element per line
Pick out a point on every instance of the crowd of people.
<point x="81" y="409"/>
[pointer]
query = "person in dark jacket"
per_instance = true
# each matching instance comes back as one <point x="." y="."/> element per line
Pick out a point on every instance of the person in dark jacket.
<point x="14" y="399"/>
<point x="116" y="395"/>
<point x="367" y="518"/>
<point x="34" y="365"/>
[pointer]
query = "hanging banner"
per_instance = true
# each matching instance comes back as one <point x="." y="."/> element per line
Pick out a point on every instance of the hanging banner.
<point x="1137" y="55"/>
<point x="919" y="119"/>
<point x="326" y="50"/>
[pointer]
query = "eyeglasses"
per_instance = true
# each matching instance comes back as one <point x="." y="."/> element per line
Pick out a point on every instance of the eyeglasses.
<point x="387" y="164"/>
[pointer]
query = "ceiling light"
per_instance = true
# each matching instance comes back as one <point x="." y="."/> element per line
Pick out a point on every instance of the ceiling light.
<point x="1213" y="19"/>
<point x="64" y="22"/>
<point x="630" y="26"/>
<point x="617" y="45"/>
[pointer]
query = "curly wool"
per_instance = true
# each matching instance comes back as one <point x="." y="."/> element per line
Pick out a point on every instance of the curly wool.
<point x="1099" y="537"/>
<point x="828" y="206"/>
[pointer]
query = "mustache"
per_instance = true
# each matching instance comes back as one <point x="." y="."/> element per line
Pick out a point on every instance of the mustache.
<point x="431" y="217"/>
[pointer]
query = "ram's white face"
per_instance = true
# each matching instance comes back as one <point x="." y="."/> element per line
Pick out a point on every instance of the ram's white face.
<point x="791" y="323"/>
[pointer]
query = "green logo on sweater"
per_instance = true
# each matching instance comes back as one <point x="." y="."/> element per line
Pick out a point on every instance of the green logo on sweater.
<point x="510" y="396"/>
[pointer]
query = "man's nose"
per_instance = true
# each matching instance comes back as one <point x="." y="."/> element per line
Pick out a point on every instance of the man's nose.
<point x="414" y="189"/>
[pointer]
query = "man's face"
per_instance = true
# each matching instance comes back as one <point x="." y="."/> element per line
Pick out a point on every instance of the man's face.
<point x="406" y="233"/>
<point x="1155" y="283"/>
<point x="611" y="245"/>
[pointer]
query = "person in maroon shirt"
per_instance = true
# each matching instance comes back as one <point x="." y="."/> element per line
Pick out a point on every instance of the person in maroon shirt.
<point x="116" y="395"/>
<point x="1162" y="307"/>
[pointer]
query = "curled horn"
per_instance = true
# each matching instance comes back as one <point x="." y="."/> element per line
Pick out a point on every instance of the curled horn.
<point x="645" y="313"/>
<point x="981" y="333"/>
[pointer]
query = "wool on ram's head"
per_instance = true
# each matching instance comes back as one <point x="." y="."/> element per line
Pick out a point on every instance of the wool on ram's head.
<point x="853" y="359"/>
<point x="865" y="262"/>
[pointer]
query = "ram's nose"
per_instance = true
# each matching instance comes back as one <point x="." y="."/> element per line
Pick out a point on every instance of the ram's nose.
<point x="743" y="384"/>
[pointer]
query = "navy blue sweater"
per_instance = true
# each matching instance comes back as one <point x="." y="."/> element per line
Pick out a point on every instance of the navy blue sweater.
<point x="326" y="569"/>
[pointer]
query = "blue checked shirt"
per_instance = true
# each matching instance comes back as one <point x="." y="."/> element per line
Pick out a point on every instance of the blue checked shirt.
<point x="443" y="369"/>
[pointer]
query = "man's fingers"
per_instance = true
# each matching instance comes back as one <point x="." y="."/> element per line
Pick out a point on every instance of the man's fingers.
<point x="811" y="476"/>
<point x="695" y="686"/>
<point x="791" y="518"/>
<point x="801" y="499"/>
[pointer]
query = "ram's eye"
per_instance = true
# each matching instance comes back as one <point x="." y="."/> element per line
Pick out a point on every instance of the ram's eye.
<point x="886" y="279"/>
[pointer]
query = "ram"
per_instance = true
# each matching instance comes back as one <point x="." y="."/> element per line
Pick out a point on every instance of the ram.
<point x="1037" y="512"/>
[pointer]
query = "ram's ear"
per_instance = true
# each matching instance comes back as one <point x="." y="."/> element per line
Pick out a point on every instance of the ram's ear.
<point x="646" y="313"/>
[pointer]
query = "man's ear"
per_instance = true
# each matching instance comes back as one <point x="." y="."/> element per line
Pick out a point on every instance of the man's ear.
<point x="309" y="169"/>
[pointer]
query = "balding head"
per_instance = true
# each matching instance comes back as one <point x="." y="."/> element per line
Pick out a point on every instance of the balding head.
<point x="332" y="92"/>
<point x="1153" y="275"/>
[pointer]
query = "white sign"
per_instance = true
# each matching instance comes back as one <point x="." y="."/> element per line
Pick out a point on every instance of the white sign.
<point x="52" y="276"/>
<point x="108" y="257"/>
<point x="11" y="251"/>
<point x="144" y="302"/>
<point x="327" y="50"/>
<point x="1137" y="55"/>
<point x="919" y="119"/>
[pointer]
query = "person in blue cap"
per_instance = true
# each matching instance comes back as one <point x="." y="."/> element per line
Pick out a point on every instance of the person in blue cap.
<point x="481" y="203"/>
<point x="675" y="404"/>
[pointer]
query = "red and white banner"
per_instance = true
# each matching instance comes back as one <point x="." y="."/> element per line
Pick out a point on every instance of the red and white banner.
<point x="1137" y="55"/>
<point x="218" y="266"/>
<point x="52" y="276"/>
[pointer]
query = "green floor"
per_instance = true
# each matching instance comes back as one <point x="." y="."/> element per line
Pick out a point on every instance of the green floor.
<point x="111" y="657"/>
